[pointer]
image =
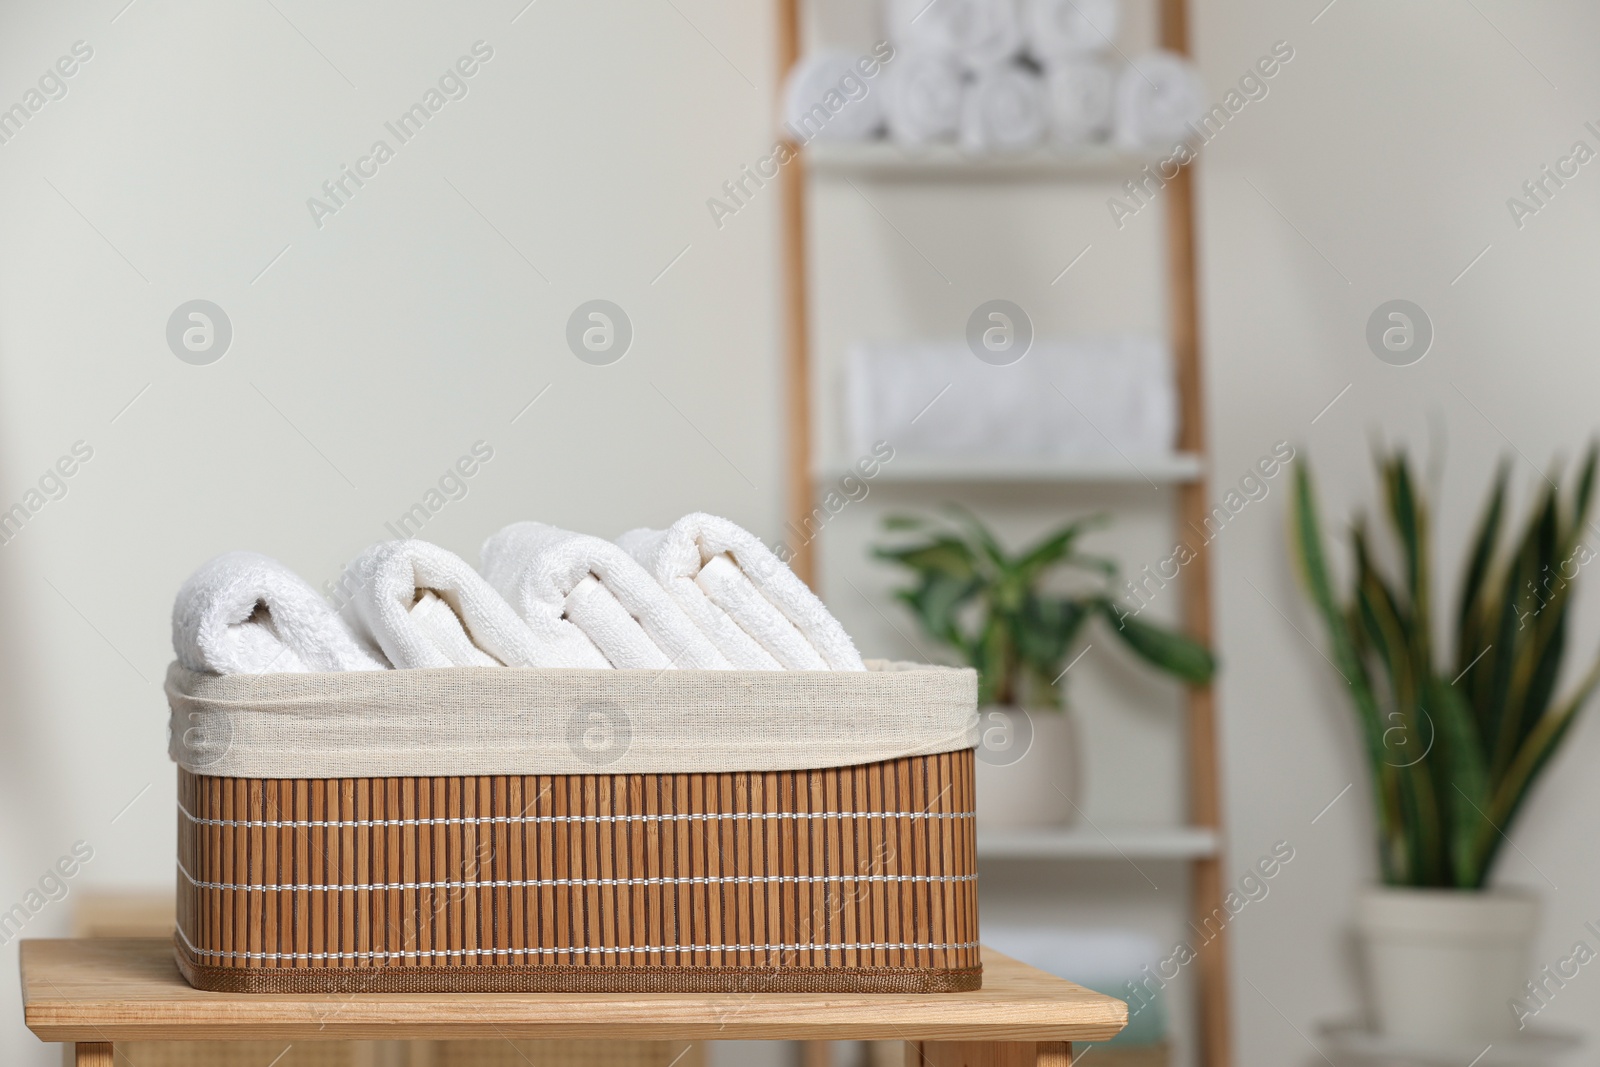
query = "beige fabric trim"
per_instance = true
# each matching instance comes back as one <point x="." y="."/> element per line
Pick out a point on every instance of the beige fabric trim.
<point x="505" y="720"/>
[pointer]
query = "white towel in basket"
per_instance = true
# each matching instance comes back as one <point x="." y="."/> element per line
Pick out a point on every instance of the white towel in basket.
<point x="752" y="606"/>
<point x="549" y="574"/>
<point x="245" y="613"/>
<point x="426" y="607"/>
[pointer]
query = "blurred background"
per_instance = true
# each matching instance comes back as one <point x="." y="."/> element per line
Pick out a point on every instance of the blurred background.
<point x="356" y="342"/>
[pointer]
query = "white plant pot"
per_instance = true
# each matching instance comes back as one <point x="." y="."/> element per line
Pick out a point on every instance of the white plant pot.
<point x="1027" y="768"/>
<point x="1443" y="964"/>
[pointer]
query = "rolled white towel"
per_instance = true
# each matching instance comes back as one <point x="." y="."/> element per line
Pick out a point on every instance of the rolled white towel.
<point x="1003" y="110"/>
<point x="1158" y="96"/>
<point x="426" y="607"/>
<point x="975" y="33"/>
<point x="922" y="99"/>
<point x="827" y="97"/>
<point x="549" y="574"/>
<point x="245" y="613"/>
<point x="745" y="599"/>
<point x="1061" y="29"/>
<point x="1081" y="96"/>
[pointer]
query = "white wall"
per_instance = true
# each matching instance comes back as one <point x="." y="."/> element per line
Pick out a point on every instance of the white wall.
<point x="407" y="328"/>
<point x="392" y="339"/>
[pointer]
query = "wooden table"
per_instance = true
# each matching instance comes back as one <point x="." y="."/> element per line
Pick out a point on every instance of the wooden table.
<point x="96" y="992"/>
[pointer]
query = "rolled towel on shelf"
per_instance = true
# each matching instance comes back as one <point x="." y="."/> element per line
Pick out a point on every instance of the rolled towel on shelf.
<point x="246" y="613"/>
<point x="1159" y="97"/>
<point x="826" y="97"/>
<point x="1003" y="110"/>
<point x="922" y="99"/>
<point x="1063" y="29"/>
<point x="977" y="34"/>
<point x="746" y="600"/>
<point x="1081" y="96"/>
<point x="550" y="575"/>
<point x="426" y="607"/>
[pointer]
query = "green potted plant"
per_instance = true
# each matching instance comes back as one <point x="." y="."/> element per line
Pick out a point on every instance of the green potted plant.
<point x="1454" y="738"/>
<point x="1018" y="619"/>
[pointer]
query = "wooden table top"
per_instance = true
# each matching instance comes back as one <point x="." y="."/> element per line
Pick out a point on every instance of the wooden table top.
<point x="130" y="990"/>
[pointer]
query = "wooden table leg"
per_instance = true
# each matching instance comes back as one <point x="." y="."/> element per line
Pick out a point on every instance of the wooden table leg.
<point x="988" y="1054"/>
<point x="94" y="1054"/>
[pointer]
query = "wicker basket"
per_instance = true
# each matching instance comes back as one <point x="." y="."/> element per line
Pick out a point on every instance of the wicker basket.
<point x="858" y="878"/>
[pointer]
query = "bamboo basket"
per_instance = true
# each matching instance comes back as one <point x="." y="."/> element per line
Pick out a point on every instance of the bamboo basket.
<point x="837" y="879"/>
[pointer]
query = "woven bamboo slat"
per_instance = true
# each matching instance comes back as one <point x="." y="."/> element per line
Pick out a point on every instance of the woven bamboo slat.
<point x="845" y="879"/>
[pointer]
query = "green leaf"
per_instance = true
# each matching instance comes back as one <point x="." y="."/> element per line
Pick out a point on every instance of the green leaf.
<point x="979" y="536"/>
<point x="1311" y="561"/>
<point x="1470" y="616"/>
<point x="1584" y="494"/>
<point x="1465" y="784"/>
<point x="1175" y="653"/>
<point x="1411" y="527"/>
<point x="1409" y="733"/>
<point x="1510" y="792"/>
<point x="943" y="555"/>
<point x="1535" y="627"/>
<point x="1055" y="548"/>
<point x="937" y="604"/>
<point x="1049" y="625"/>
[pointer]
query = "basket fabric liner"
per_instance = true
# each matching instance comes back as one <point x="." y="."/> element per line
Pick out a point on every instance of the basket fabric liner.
<point x="503" y="720"/>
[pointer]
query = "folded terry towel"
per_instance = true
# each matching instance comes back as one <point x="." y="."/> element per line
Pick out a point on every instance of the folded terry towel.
<point x="555" y="578"/>
<point x="1158" y="97"/>
<point x="745" y="599"/>
<point x="1080" y="97"/>
<point x="1003" y="110"/>
<point x="1106" y="397"/>
<point x="975" y="33"/>
<point x="245" y="613"/>
<point x="427" y="608"/>
<point x="922" y="98"/>
<point x="826" y="96"/>
<point x="1059" y="29"/>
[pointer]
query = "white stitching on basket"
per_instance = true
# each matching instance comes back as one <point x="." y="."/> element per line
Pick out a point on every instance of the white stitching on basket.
<point x="527" y="883"/>
<point x="519" y="820"/>
<point x="573" y="951"/>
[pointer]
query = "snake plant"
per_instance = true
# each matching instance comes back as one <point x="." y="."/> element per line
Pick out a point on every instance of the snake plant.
<point x="991" y="607"/>
<point x="1454" y="739"/>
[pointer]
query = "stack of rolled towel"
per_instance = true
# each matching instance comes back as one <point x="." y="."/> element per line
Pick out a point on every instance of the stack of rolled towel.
<point x="702" y="594"/>
<point x="997" y="76"/>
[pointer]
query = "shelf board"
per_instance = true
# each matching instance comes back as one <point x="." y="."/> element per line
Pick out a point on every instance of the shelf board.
<point x="1087" y="843"/>
<point x="1134" y="470"/>
<point x="885" y="159"/>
